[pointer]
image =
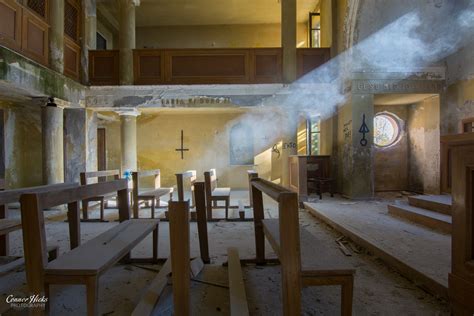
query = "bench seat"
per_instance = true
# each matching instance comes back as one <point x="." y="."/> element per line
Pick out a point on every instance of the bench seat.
<point x="313" y="261"/>
<point x="221" y="192"/>
<point x="9" y="225"/>
<point x="155" y="193"/>
<point x="103" y="251"/>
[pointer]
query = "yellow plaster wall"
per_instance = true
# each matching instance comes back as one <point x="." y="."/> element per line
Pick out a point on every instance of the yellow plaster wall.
<point x="216" y="36"/>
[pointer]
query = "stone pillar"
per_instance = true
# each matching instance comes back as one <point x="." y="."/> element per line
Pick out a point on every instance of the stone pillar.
<point x="127" y="39"/>
<point x="89" y="31"/>
<point x="359" y="163"/>
<point x="53" y="150"/>
<point x="56" y="36"/>
<point x="128" y="134"/>
<point x="288" y="39"/>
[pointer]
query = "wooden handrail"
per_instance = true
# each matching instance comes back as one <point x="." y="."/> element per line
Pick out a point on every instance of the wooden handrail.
<point x="12" y="196"/>
<point x="269" y="188"/>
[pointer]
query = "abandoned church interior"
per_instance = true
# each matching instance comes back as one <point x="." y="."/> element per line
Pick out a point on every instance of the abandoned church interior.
<point x="240" y="157"/>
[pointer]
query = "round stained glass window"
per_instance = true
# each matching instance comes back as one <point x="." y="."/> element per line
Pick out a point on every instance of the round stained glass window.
<point x="386" y="130"/>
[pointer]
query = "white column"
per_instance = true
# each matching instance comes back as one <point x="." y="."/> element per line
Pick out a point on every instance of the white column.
<point x="53" y="149"/>
<point x="127" y="39"/>
<point x="128" y="134"/>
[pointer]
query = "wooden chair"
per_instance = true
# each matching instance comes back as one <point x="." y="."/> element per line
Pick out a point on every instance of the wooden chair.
<point x="180" y="177"/>
<point x="8" y="225"/>
<point x="152" y="195"/>
<point x="319" y="175"/>
<point x="101" y="176"/>
<point x="295" y="247"/>
<point x="215" y="194"/>
<point x="87" y="262"/>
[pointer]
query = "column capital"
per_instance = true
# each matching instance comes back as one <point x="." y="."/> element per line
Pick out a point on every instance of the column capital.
<point x="135" y="3"/>
<point x="128" y="112"/>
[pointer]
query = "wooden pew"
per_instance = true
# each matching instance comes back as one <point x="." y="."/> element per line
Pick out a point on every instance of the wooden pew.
<point x="8" y="225"/>
<point x="180" y="177"/>
<point x="152" y="195"/>
<point x="295" y="248"/>
<point x="85" y="263"/>
<point x="101" y="176"/>
<point x="252" y="174"/>
<point x="215" y="194"/>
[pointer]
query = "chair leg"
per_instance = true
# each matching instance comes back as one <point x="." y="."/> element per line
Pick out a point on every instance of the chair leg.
<point x="346" y="297"/>
<point x="92" y="289"/>
<point x="214" y="203"/>
<point x="153" y="208"/>
<point x="155" y="244"/>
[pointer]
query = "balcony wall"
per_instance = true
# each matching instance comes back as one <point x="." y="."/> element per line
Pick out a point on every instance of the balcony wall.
<point x="203" y="66"/>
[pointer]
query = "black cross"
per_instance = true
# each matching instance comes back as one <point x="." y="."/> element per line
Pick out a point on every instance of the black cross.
<point x="182" y="149"/>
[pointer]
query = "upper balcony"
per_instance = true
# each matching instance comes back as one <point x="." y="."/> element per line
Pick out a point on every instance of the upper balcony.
<point x="202" y="66"/>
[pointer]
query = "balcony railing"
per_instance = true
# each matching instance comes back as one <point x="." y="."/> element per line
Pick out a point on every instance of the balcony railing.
<point x="202" y="66"/>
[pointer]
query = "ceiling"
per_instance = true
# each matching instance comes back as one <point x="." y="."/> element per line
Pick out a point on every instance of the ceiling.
<point x="400" y="99"/>
<point x="215" y="12"/>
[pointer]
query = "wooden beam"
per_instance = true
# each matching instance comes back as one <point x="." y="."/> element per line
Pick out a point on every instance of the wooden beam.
<point x="238" y="298"/>
<point x="151" y="297"/>
<point x="200" y="200"/>
<point x="258" y="216"/>
<point x="180" y="267"/>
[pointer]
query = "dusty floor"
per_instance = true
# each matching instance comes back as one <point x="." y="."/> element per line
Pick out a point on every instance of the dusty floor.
<point x="425" y="250"/>
<point x="378" y="289"/>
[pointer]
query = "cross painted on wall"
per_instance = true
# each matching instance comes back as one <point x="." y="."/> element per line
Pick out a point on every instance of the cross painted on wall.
<point x="182" y="149"/>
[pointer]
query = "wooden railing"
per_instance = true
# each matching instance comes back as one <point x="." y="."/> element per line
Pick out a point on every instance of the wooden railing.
<point x="24" y="31"/>
<point x="203" y="66"/>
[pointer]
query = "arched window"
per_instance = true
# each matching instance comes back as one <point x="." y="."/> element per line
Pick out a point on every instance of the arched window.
<point x="241" y="145"/>
<point x="386" y="129"/>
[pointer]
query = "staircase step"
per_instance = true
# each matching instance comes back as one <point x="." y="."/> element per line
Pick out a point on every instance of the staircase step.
<point x="427" y="218"/>
<point x="436" y="203"/>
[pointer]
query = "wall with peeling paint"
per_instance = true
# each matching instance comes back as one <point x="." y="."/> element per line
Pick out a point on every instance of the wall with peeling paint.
<point x="206" y="135"/>
<point x="23" y="144"/>
<point x="424" y="146"/>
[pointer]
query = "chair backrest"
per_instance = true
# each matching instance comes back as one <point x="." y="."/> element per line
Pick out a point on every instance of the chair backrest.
<point x="210" y="182"/>
<point x="180" y="177"/>
<point x="319" y="167"/>
<point x="136" y="175"/>
<point x="100" y="175"/>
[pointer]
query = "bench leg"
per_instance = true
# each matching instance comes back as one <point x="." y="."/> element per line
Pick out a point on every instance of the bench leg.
<point x="153" y="208"/>
<point x="85" y="210"/>
<point x="227" y="202"/>
<point x="48" y="297"/>
<point x="346" y="297"/>
<point x="102" y="205"/>
<point x="92" y="289"/>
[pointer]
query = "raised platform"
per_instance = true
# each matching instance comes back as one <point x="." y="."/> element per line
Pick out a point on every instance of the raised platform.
<point x="430" y="219"/>
<point x="420" y="254"/>
<point x="436" y="203"/>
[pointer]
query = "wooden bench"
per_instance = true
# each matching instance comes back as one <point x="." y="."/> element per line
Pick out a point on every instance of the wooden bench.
<point x="152" y="195"/>
<point x="87" y="262"/>
<point x="238" y="298"/>
<point x="8" y="225"/>
<point x="215" y="194"/>
<point x="295" y="247"/>
<point x="100" y="176"/>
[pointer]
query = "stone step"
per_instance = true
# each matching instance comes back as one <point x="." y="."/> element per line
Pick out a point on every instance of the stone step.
<point x="436" y="203"/>
<point x="427" y="218"/>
